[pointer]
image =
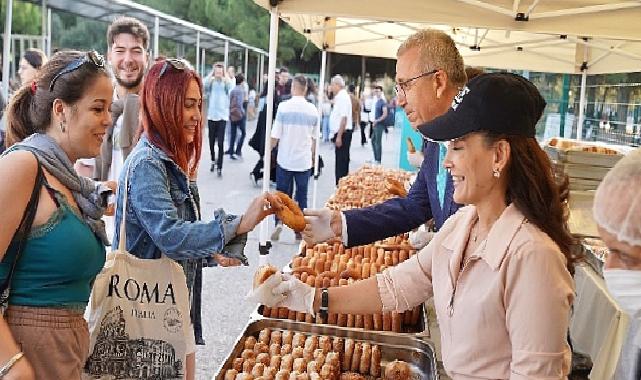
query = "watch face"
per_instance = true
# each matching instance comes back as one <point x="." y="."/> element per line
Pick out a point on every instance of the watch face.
<point x="324" y="302"/>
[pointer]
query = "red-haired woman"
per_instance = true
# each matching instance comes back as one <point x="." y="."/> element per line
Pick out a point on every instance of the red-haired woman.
<point x="162" y="216"/>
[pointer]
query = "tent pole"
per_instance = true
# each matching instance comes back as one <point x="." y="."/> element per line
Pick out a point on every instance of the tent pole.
<point x="198" y="51"/>
<point x="226" y="59"/>
<point x="318" y="136"/>
<point x="246" y="64"/>
<point x="262" y="71"/>
<point x="203" y="64"/>
<point x="363" y="73"/>
<point x="48" y="49"/>
<point x="579" y="126"/>
<point x="156" y="35"/>
<point x="263" y="244"/>
<point x="258" y="76"/>
<point x="6" y="51"/>
<point x="584" y="78"/>
<point x="43" y="9"/>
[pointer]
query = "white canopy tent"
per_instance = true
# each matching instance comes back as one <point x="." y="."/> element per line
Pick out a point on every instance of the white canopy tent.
<point x="558" y="53"/>
<point x="608" y="19"/>
<point x="537" y="35"/>
<point x="578" y="36"/>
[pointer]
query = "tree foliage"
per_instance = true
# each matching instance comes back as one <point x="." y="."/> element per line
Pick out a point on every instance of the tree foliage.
<point x="26" y="17"/>
<point x="239" y="19"/>
<point x="242" y="20"/>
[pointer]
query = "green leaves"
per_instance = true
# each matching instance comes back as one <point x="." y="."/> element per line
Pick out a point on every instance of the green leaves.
<point x="240" y="19"/>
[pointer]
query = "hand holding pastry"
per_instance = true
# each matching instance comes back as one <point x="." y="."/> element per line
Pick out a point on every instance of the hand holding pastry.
<point x="258" y="209"/>
<point x="295" y="295"/>
<point x="266" y="280"/>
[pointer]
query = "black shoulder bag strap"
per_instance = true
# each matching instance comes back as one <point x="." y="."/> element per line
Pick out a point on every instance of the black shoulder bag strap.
<point x="19" y="239"/>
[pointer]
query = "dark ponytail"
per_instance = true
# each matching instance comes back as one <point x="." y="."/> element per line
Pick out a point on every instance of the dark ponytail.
<point x="534" y="190"/>
<point x="19" y="123"/>
<point x="30" y="108"/>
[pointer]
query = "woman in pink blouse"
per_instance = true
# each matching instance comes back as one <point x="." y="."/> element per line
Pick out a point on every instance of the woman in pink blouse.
<point x="499" y="268"/>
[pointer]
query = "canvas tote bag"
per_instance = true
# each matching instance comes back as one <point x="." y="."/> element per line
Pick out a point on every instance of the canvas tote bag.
<point x="138" y="320"/>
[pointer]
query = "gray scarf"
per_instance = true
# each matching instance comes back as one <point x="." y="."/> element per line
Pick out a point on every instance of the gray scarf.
<point x="87" y="193"/>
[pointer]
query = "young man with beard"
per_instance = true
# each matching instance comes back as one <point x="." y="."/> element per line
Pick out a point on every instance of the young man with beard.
<point x="128" y="40"/>
<point x="429" y="73"/>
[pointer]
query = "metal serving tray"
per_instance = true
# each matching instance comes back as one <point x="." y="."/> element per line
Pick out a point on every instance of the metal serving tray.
<point x="419" y="353"/>
<point x="419" y="330"/>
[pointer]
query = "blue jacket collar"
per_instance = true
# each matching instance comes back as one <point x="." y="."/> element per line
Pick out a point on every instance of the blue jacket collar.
<point x="160" y="154"/>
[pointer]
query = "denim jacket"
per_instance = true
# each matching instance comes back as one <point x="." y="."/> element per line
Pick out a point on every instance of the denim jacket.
<point x="162" y="216"/>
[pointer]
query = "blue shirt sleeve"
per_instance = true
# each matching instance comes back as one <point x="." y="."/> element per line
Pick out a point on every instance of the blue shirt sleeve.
<point x="154" y="210"/>
<point x="392" y="217"/>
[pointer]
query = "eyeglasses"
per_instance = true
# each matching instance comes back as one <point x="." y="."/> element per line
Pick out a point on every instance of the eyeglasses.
<point x="402" y="87"/>
<point x="178" y="64"/>
<point x="92" y="57"/>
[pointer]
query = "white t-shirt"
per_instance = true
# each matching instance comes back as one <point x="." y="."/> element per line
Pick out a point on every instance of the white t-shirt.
<point x="372" y="108"/>
<point x="366" y="108"/>
<point x="342" y="108"/>
<point x="296" y="125"/>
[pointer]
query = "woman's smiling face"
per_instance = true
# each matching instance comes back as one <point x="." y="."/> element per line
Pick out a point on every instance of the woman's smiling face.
<point x="471" y="163"/>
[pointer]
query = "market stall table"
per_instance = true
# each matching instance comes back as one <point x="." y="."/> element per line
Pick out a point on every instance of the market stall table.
<point x="598" y="326"/>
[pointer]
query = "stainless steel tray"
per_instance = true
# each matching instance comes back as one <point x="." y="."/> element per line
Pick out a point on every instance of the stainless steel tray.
<point x="420" y="330"/>
<point x="419" y="353"/>
<point x="595" y="257"/>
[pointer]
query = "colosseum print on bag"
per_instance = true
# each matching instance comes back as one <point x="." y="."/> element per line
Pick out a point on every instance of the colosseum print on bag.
<point x="138" y="318"/>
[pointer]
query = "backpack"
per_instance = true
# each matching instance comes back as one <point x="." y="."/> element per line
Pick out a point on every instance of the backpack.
<point x="235" y="113"/>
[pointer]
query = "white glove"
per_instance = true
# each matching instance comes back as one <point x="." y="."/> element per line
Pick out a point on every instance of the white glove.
<point x="415" y="159"/>
<point x="318" y="228"/>
<point x="420" y="238"/>
<point x="295" y="295"/>
<point x="264" y="294"/>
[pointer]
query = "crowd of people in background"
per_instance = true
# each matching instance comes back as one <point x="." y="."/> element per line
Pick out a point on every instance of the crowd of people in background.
<point x="229" y="102"/>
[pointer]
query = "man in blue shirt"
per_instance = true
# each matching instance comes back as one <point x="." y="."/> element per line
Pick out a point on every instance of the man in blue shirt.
<point x="429" y="74"/>
<point x="217" y="89"/>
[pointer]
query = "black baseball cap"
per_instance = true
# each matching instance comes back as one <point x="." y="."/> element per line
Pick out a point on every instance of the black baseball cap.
<point x="502" y="103"/>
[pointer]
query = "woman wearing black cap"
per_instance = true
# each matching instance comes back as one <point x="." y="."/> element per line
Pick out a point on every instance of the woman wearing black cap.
<point x="498" y="269"/>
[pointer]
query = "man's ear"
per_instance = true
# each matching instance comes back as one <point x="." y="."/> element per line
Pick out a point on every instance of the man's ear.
<point x="440" y="83"/>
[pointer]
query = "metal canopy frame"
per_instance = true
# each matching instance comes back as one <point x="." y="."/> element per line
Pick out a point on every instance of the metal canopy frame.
<point x="170" y="27"/>
<point x="160" y="25"/>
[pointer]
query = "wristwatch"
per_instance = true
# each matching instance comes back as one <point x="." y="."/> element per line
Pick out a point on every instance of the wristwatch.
<point x="324" y="303"/>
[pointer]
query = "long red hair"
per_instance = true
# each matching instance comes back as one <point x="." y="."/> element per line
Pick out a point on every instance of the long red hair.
<point x="161" y="114"/>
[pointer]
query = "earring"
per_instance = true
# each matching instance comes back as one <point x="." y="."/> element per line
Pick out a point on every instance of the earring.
<point x="496" y="173"/>
<point x="62" y="127"/>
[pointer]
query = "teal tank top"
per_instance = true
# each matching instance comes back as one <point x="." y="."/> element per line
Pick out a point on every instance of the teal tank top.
<point x="59" y="263"/>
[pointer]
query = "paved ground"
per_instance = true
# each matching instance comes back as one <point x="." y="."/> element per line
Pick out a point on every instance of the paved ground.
<point x="225" y="312"/>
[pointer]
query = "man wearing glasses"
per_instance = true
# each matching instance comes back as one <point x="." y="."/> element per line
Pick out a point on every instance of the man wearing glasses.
<point x="429" y="74"/>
